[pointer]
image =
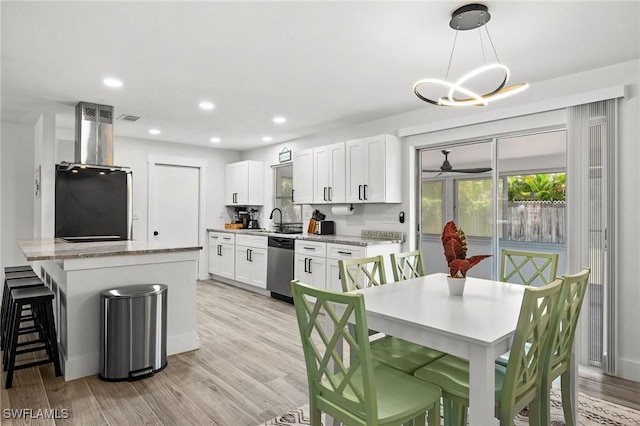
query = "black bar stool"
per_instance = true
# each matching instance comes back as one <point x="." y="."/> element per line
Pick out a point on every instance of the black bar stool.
<point x="41" y="301"/>
<point x="21" y="268"/>
<point x="6" y="302"/>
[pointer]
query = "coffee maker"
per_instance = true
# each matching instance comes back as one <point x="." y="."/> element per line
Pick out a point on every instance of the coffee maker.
<point x="243" y="218"/>
<point x="253" y="222"/>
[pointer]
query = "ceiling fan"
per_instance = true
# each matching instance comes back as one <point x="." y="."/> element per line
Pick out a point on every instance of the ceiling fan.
<point x="446" y="166"/>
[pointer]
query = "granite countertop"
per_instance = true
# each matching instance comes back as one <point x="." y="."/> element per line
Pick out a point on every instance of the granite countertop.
<point x="353" y="240"/>
<point x="56" y="248"/>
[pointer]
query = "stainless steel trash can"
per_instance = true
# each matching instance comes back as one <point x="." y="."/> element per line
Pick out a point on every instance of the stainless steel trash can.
<point x="133" y="332"/>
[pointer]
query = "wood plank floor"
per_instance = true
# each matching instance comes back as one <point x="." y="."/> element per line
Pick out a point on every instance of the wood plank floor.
<point x="249" y="369"/>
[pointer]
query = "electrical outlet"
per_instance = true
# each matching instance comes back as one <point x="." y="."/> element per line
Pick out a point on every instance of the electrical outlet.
<point x="389" y="218"/>
<point x="220" y="214"/>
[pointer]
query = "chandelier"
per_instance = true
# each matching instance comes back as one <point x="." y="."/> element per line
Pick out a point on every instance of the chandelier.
<point x="458" y="93"/>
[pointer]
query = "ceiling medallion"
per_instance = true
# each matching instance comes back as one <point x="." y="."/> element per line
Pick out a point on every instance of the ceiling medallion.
<point x="471" y="16"/>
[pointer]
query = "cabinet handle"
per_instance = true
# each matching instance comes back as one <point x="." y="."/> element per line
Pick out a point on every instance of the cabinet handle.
<point x="359" y="192"/>
<point x="309" y="248"/>
<point x="310" y="266"/>
<point x="219" y="249"/>
<point x="247" y="256"/>
<point x="348" y="253"/>
<point x="325" y="193"/>
<point x="292" y="192"/>
<point x="340" y="274"/>
<point x="365" y="191"/>
<point x="250" y="255"/>
<point x="330" y="197"/>
<point x="305" y="264"/>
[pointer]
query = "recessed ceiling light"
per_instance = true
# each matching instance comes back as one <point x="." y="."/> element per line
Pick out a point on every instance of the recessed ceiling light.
<point x="215" y="140"/>
<point x="279" y="120"/>
<point x="206" y="106"/>
<point x="112" y="82"/>
<point x="154" y="131"/>
<point x="267" y="138"/>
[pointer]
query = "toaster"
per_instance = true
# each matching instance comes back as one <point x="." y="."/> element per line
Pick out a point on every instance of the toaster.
<point x="325" y="227"/>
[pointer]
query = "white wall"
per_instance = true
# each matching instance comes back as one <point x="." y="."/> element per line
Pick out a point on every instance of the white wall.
<point x="434" y="125"/>
<point x="17" y="190"/>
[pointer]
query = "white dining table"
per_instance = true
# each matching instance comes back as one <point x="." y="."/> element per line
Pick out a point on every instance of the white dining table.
<point x="478" y="325"/>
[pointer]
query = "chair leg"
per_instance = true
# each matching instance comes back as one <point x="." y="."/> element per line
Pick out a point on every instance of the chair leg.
<point x="567" y="406"/>
<point x="11" y="358"/>
<point x="433" y="416"/>
<point x="534" y="413"/>
<point x="544" y="401"/>
<point x="314" y="416"/>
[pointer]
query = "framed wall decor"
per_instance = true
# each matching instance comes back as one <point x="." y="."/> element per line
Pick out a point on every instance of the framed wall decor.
<point x="285" y="155"/>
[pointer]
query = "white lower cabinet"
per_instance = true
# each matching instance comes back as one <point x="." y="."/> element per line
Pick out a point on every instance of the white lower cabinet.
<point x="222" y="254"/>
<point x="251" y="260"/>
<point x="310" y="263"/>
<point x="337" y="252"/>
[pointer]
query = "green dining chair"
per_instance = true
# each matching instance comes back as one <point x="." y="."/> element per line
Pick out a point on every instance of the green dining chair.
<point x="407" y="265"/>
<point x="528" y="268"/>
<point x="356" y="391"/>
<point x="517" y="384"/>
<point x="391" y="351"/>
<point x="558" y="363"/>
<point x="356" y="274"/>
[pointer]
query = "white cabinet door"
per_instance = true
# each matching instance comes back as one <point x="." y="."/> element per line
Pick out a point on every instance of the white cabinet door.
<point x="235" y="182"/>
<point x="244" y="183"/>
<point x="336" y="174"/>
<point x="334" y="281"/>
<point x="258" y="260"/>
<point x="243" y="265"/>
<point x="310" y="270"/>
<point x="303" y="176"/>
<point x="320" y="175"/>
<point x="213" y="253"/>
<point x="355" y="171"/>
<point x="226" y="266"/>
<point x="374" y="169"/>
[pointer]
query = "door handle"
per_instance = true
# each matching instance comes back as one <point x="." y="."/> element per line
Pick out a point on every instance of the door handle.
<point x="359" y="192"/>
<point x="155" y="233"/>
<point x="365" y="191"/>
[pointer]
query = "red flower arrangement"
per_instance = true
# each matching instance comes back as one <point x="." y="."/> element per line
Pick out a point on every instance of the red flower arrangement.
<point x="455" y="250"/>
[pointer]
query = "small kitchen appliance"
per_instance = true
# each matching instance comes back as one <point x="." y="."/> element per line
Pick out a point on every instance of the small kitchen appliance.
<point x="253" y="222"/>
<point x="325" y="227"/>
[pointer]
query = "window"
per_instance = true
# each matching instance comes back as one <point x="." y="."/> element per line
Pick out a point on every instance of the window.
<point x="291" y="213"/>
<point x="432" y="196"/>
<point x="474" y="204"/>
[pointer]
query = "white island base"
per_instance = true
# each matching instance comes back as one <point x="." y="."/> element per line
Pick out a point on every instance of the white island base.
<point x="78" y="282"/>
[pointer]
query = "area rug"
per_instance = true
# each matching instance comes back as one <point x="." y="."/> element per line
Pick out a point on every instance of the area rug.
<point x="591" y="411"/>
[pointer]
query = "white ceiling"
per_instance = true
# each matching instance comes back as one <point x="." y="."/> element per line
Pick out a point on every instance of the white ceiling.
<point x="322" y="65"/>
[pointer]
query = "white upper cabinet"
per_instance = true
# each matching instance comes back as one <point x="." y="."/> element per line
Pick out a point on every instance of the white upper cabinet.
<point x="303" y="176"/>
<point x="373" y="170"/>
<point x="244" y="183"/>
<point x="329" y="170"/>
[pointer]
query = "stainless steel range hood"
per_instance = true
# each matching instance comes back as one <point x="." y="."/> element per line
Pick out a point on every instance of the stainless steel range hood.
<point x="94" y="138"/>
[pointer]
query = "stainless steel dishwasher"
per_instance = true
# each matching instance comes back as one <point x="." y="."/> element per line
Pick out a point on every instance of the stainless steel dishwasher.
<point x="280" y="267"/>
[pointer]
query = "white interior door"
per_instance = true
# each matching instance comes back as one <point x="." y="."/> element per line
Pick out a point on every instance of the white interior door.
<point x="176" y="214"/>
<point x="177" y="202"/>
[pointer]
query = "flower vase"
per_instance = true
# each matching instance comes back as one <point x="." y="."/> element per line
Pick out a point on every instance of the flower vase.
<point x="456" y="285"/>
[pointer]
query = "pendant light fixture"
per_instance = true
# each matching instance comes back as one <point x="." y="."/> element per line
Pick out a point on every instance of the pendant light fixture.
<point x="458" y="93"/>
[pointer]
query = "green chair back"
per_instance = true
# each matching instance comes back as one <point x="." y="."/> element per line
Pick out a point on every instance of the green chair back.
<point x="346" y="388"/>
<point x="536" y="329"/>
<point x="407" y="265"/>
<point x="356" y="274"/>
<point x="528" y="268"/>
<point x="558" y="363"/>
<point x="517" y="384"/>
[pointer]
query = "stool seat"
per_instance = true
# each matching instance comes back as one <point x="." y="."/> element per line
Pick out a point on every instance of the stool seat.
<point x="19" y="275"/>
<point x="9" y="286"/>
<point x="21" y="268"/>
<point x="31" y="294"/>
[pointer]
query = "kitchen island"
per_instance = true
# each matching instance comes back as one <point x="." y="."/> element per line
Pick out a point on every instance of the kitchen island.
<point x="79" y="272"/>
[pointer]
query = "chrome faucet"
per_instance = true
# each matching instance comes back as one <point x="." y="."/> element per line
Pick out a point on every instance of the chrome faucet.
<point x="271" y="217"/>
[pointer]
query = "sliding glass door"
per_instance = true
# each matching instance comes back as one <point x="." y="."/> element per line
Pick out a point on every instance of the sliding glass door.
<point x="505" y="192"/>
